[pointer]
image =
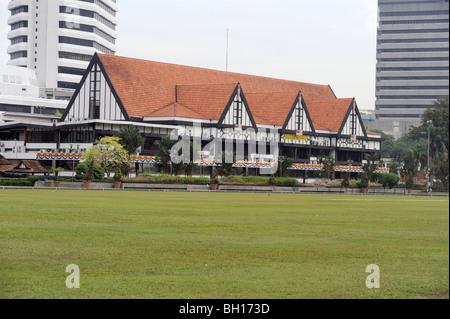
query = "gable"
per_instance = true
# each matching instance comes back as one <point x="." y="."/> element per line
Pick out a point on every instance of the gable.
<point x="95" y="98"/>
<point x="237" y="112"/>
<point x="299" y="119"/>
<point x="353" y="125"/>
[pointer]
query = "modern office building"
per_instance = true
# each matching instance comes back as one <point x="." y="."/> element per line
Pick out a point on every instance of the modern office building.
<point x="413" y="66"/>
<point x="57" y="39"/>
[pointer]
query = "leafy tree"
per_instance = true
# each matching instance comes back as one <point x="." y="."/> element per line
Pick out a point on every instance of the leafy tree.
<point x="439" y="129"/>
<point x="109" y="153"/>
<point x="395" y="149"/>
<point x="388" y="180"/>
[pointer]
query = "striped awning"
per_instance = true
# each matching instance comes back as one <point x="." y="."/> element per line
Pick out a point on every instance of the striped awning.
<point x="306" y="167"/>
<point x="145" y="159"/>
<point x="206" y="162"/>
<point x="60" y="156"/>
<point x="348" y="169"/>
<point x="244" y="164"/>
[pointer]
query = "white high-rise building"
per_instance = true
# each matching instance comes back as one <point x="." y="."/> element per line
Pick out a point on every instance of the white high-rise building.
<point x="57" y="39"/>
<point x="413" y="61"/>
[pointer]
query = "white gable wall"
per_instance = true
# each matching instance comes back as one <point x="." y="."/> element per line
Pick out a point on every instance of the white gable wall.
<point x="305" y="122"/>
<point x="109" y="107"/>
<point x="359" y="131"/>
<point x="230" y="116"/>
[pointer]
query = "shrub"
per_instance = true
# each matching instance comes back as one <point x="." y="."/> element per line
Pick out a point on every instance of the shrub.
<point x="409" y="183"/>
<point x="82" y="170"/>
<point x="388" y="180"/>
<point x="287" y="182"/>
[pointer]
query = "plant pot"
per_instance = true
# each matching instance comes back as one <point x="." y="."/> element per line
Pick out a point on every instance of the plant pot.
<point x="274" y="188"/>
<point x="48" y="184"/>
<point x="86" y="184"/>
<point x="409" y="190"/>
<point x="56" y="184"/>
<point x="364" y="190"/>
<point x="214" y="187"/>
<point x="117" y="184"/>
<point x="346" y="190"/>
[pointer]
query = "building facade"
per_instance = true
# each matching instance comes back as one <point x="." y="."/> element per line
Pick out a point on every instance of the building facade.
<point x="20" y="101"/>
<point x="57" y="39"/>
<point x="412" y="61"/>
<point x="259" y="119"/>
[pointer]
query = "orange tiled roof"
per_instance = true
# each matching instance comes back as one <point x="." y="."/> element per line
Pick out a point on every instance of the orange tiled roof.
<point x="147" y="89"/>
<point x="328" y="114"/>
<point x="271" y="108"/>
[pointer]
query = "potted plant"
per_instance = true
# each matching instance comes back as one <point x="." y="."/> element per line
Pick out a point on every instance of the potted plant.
<point x="48" y="183"/>
<point x="117" y="178"/>
<point x="56" y="171"/>
<point x="364" y="184"/>
<point x="345" y="183"/>
<point x="273" y="182"/>
<point x="89" y="175"/>
<point x="409" y="184"/>
<point x="214" y="180"/>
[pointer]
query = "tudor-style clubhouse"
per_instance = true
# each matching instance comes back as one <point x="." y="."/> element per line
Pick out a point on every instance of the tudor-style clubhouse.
<point x="304" y="121"/>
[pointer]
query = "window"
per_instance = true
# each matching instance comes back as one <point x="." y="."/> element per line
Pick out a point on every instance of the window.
<point x="299" y="117"/>
<point x="94" y="94"/>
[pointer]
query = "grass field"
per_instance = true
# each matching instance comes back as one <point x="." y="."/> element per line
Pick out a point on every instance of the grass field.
<point x="220" y="245"/>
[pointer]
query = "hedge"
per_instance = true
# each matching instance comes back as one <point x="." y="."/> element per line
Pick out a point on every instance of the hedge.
<point x="16" y="182"/>
<point x="166" y="179"/>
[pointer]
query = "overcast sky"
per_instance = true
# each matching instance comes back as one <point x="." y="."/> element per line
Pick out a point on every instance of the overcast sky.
<point x="317" y="41"/>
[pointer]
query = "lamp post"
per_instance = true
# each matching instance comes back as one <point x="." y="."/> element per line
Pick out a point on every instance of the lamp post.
<point x="428" y="167"/>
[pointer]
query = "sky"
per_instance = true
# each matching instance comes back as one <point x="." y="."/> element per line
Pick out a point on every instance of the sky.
<point x="331" y="42"/>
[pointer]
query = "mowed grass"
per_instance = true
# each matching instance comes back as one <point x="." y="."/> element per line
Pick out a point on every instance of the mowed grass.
<point x="163" y="245"/>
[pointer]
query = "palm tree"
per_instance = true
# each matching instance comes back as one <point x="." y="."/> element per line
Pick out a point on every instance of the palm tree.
<point x="131" y="139"/>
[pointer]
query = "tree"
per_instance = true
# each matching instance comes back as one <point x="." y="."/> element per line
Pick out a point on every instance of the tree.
<point x="109" y="153"/>
<point x="411" y="164"/>
<point x="328" y="166"/>
<point x="165" y="146"/>
<point x="131" y="139"/>
<point x="395" y="149"/>
<point x="439" y="129"/>
<point x="283" y="167"/>
<point x="372" y="163"/>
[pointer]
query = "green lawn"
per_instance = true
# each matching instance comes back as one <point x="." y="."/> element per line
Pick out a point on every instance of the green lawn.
<point x="221" y="245"/>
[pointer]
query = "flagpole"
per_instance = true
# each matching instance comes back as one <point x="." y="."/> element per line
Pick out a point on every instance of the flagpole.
<point x="227" y="52"/>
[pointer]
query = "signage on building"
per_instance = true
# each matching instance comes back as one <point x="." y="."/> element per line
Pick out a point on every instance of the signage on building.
<point x="294" y="137"/>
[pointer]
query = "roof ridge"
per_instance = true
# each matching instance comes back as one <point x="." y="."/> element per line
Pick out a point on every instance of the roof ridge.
<point x="210" y="69"/>
<point x="209" y="84"/>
